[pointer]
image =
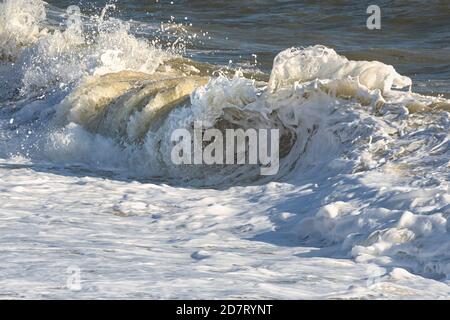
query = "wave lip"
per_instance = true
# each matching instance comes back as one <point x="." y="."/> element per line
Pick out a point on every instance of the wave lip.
<point x="322" y="63"/>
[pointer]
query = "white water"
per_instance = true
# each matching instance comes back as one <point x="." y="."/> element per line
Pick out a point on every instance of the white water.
<point x="359" y="208"/>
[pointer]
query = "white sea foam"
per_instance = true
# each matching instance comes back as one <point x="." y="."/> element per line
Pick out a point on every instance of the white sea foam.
<point x="20" y="25"/>
<point x="58" y="58"/>
<point x="319" y="62"/>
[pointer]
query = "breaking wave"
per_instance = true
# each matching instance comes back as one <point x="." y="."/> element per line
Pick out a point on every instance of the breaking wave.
<point x="97" y="95"/>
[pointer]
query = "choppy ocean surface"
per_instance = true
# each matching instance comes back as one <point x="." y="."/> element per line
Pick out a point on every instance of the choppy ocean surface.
<point x="360" y="207"/>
